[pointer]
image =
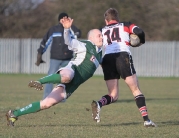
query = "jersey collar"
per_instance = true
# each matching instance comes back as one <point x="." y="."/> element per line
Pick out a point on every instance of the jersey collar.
<point x="112" y="22"/>
<point x="98" y="49"/>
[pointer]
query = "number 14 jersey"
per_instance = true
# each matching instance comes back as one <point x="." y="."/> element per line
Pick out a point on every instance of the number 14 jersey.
<point x="116" y="37"/>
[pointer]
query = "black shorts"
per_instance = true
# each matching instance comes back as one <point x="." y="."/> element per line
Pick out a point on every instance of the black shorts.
<point x="116" y="65"/>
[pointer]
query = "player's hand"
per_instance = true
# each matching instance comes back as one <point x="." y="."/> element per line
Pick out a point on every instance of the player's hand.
<point x="66" y="22"/>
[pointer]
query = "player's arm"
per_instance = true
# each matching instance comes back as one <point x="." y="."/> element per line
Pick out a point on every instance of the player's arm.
<point x="67" y="23"/>
<point x="73" y="44"/>
<point x="136" y="30"/>
<point x="140" y="33"/>
<point x="75" y="31"/>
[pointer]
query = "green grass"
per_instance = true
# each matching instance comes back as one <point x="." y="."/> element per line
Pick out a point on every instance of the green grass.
<point x="71" y="119"/>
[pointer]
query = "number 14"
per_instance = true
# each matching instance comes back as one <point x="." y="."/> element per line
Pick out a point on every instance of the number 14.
<point x="114" y="36"/>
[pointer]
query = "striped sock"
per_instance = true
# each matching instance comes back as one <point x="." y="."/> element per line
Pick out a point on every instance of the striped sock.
<point x="105" y="100"/>
<point x="140" y="102"/>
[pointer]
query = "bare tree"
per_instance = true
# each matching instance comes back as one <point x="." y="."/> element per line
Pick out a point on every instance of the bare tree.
<point x="10" y="7"/>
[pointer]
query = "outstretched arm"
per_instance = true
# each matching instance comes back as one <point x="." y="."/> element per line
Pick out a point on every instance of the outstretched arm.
<point x="73" y="44"/>
<point x="67" y="23"/>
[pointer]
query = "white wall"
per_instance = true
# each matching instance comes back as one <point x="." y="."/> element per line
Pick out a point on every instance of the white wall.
<point x="151" y="59"/>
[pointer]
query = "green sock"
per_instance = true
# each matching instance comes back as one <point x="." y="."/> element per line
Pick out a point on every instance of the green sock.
<point x="31" y="108"/>
<point x="53" y="78"/>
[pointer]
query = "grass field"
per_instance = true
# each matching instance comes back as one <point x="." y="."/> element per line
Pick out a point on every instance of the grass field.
<point x="71" y="119"/>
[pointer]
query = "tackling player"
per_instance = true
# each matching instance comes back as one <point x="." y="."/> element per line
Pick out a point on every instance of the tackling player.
<point x="87" y="58"/>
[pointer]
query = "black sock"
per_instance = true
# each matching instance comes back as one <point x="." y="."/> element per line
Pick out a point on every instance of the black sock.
<point x="105" y="100"/>
<point x="140" y="102"/>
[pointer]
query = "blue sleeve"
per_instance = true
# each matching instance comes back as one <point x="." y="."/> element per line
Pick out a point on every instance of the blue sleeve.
<point x="46" y="41"/>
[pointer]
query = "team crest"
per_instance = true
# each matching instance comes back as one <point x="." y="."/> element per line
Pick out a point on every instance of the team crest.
<point x="94" y="60"/>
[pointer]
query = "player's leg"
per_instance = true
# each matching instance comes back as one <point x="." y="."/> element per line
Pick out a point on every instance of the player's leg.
<point x="54" y="66"/>
<point x="132" y="82"/>
<point x="113" y="93"/>
<point x="111" y="77"/>
<point x="64" y="75"/>
<point x="128" y="73"/>
<point x="107" y="99"/>
<point x="57" y="95"/>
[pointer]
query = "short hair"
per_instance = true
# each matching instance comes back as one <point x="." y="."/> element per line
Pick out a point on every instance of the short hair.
<point x="61" y="15"/>
<point x="111" y="14"/>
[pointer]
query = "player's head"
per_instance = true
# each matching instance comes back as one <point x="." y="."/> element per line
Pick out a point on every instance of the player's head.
<point x="111" y="14"/>
<point x="95" y="36"/>
<point x="61" y="15"/>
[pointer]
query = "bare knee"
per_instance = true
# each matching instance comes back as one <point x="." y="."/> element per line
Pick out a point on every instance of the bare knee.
<point x="66" y="75"/>
<point x="65" y="78"/>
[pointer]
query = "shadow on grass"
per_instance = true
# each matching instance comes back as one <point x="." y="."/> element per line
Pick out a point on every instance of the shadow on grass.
<point x="170" y="123"/>
<point x="147" y="99"/>
<point x="159" y="124"/>
<point x="122" y="124"/>
<point x="79" y="125"/>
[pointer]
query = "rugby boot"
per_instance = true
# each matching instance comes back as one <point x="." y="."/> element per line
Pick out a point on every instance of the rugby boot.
<point x="36" y="84"/>
<point x="149" y="123"/>
<point x="95" y="111"/>
<point x="11" y="118"/>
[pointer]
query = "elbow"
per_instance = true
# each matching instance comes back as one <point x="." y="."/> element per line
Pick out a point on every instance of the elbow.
<point x="140" y="33"/>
